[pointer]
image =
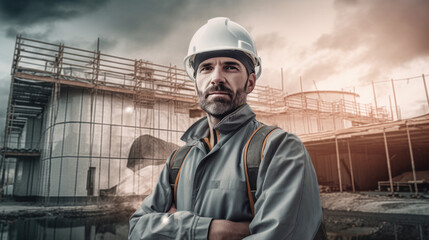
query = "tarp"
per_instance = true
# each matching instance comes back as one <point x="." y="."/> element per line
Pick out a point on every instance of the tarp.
<point x="148" y="150"/>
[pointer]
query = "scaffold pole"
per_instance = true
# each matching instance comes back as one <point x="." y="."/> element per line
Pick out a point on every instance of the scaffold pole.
<point x="338" y="164"/>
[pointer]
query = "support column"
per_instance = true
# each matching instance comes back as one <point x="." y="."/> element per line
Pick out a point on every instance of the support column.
<point x="394" y="98"/>
<point x="412" y="157"/>
<point x="426" y="89"/>
<point x="375" y="100"/>
<point x="354" y="101"/>
<point x="391" y="109"/>
<point x="388" y="160"/>
<point x="351" y="167"/>
<point x="338" y="164"/>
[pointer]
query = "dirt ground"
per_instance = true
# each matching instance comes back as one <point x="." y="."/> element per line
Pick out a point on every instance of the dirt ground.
<point x="374" y="203"/>
<point x="372" y="216"/>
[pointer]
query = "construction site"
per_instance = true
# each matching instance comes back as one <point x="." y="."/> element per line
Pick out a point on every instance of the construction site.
<point x="85" y="127"/>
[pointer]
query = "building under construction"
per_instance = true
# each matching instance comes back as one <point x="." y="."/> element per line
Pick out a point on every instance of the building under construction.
<point x="83" y="126"/>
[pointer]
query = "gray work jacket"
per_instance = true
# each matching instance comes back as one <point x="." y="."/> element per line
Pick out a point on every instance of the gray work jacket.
<point x="212" y="186"/>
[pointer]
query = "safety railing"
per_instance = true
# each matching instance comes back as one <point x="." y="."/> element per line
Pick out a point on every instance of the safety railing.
<point x="150" y="81"/>
<point x="340" y="106"/>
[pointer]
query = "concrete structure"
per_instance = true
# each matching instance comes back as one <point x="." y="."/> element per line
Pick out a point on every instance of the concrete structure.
<point x="78" y="118"/>
<point x="360" y="157"/>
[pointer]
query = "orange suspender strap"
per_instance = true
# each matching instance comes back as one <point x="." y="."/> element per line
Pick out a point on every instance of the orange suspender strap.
<point x="253" y="155"/>
<point x="176" y="167"/>
<point x="207" y="141"/>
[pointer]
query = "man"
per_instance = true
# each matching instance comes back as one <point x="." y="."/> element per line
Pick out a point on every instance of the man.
<point x="211" y="200"/>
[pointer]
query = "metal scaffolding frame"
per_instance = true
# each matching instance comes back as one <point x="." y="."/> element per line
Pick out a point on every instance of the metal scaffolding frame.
<point x="46" y="78"/>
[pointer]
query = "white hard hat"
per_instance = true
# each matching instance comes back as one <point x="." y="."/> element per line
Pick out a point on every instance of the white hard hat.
<point x="220" y="33"/>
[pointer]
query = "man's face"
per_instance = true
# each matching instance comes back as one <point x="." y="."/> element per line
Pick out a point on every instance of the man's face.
<point x="222" y="85"/>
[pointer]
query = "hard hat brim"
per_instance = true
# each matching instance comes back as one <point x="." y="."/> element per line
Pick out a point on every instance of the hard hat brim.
<point x="188" y="61"/>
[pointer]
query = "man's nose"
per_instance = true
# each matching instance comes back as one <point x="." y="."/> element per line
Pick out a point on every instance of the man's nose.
<point x="217" y="76"/>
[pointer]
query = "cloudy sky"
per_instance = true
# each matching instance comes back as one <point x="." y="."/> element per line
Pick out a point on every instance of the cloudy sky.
<point x="331" y="44"/>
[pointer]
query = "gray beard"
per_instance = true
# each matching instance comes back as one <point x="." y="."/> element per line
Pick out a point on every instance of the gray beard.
<point x="219" y="108"/>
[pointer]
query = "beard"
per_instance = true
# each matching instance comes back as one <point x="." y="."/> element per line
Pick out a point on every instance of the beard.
<point x="221" y="107"/>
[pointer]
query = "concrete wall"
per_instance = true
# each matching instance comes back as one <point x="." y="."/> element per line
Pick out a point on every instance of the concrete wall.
<point x="369" y="163"/>
<point x="368" y="169"/>
<point x="26" y="179"/>
<point x="33" y="133"/>
<point x="73" y="141"/>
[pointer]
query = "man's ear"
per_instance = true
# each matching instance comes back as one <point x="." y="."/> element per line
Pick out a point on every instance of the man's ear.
<point x="251" y="82"/>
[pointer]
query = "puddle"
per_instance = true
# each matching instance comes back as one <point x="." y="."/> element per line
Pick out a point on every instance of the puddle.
<point x="111" y="227"/>
<point x="52" y="228"/>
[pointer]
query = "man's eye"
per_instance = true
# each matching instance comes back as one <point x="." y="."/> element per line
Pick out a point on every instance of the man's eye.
<point x="231" y="68"/>
<point x="205" y="69"/>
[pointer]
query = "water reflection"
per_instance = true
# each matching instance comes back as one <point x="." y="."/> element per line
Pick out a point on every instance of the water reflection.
<point x="116" y="227"/>
<point x="62" y="228"/>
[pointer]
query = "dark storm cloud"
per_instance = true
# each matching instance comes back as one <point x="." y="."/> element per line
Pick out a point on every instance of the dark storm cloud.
<point x="140" y="23"/>
<point x="135" y="27"/>
<point x="147" y="25"/>
<point x="156" y="18"/>
<point x="12" y="32"/>
<point x="29" y="12"/>
<point x="389" y="33"/>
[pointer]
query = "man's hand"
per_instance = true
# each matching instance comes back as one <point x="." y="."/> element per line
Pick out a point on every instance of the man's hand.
<point x="173" y="209"/>
<point x="224" y="229"/>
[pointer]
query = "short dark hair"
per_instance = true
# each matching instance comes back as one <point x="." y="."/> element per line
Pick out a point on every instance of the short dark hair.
<point x="238" y="55"/>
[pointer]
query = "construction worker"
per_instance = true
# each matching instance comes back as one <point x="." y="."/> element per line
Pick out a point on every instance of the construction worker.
<point x="208" y="197"/>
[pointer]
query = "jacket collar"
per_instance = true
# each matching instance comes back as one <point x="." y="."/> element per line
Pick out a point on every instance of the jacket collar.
<point x="229" y="123"/>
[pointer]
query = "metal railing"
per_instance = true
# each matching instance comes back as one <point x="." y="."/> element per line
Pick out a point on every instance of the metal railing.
<point x="148" y="80"/>
<point x="341" y="107"/>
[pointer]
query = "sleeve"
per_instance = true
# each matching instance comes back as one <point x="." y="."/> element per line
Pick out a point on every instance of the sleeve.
<point x="288" y="200"/>
<point x="151" y="220"/>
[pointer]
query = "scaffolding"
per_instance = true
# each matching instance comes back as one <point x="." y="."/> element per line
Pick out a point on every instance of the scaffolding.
<point x="351" y="109"/>
<point x="76" y="112"/>
<point x="77" y="118"/>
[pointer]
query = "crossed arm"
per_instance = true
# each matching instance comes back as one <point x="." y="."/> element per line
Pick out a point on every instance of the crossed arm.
<point x="288" y="205"/>
<point x="224" y="229"/>
<point x="158" y="218"/>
